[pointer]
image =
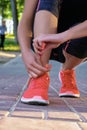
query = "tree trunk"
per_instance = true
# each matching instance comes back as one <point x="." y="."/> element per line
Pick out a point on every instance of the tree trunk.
<point x="15" y="17"/>
<point x="2" y="9"/>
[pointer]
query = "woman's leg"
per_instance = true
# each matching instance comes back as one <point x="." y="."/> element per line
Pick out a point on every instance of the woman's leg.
<point x="71" y="61"/>
<point x="45" y="23"/>
<point x="75" y="52"/>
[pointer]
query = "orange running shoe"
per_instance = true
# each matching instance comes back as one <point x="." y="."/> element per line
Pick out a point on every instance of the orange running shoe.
<point x="37" y="91"/>
<point x="69" y="87"/>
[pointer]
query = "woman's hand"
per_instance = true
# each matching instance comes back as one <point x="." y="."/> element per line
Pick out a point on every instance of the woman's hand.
<point x="49" y="41"/>
<point x="33" y="64"/>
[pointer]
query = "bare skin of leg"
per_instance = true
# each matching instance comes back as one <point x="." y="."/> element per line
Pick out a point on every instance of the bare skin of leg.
<point x="71" y="61"/>
<point x="45" y="23"/>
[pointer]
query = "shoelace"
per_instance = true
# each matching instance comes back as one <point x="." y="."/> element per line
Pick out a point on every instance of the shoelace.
<point x="70" y="83"/>
<point x="39" y="82"/>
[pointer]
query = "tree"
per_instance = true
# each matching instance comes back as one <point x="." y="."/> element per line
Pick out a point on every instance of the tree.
<point x="4" y="8"/>
<point x="12" y="9"/>
<point x="15" y="17"/>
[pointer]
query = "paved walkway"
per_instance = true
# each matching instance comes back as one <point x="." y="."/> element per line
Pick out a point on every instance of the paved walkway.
<point x="60" y="114"/>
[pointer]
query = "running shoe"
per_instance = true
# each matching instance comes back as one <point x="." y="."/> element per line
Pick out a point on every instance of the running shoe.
<point x="37" y="91"/>
<point x="69" y="87"/>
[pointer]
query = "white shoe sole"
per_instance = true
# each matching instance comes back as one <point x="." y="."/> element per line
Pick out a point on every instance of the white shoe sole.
<point x="36" y="100"/>
<point x="67" y="94"/>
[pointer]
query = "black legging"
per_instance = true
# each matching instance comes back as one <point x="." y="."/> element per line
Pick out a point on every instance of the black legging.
<point x="2" y="37"/>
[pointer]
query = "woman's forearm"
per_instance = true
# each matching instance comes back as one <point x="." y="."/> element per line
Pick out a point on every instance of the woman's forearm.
<point x="25" y="25"/>
<point x="77" y="31"/>
<point x="23" y="35"/>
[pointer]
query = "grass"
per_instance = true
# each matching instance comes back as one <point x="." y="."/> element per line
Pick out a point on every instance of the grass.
<point x="11" y="36"/>
<point x="10" y="44"/>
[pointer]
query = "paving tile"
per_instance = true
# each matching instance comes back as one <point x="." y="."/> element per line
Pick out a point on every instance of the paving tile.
<point x="84" y="114"/>
<point x="83" y="125"/>
<point x="32" y="124"/>
<point x="61" y="113"/>
<point x="54" y="110"/>
<point x="67" y="116"/>
<point x="27" y="114"/>
<point x="55" y="104"/>
<point x="6" y="105"/>
<point x="10" y="89"/>
<point x="79" y="104"/>
<point x="3" y="113"/>
<point x="6" y="101"/>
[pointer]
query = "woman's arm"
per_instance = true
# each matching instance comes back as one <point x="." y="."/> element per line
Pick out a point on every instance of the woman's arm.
<point x="25" y="25"/>
<point x="77" y="31"/>
<point x="32" y="62"/>
<point x="54" y="40"/>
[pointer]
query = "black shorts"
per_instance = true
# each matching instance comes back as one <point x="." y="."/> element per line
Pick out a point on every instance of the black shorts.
<point x="49" y="5"/>
<point x="71" y="13"/>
